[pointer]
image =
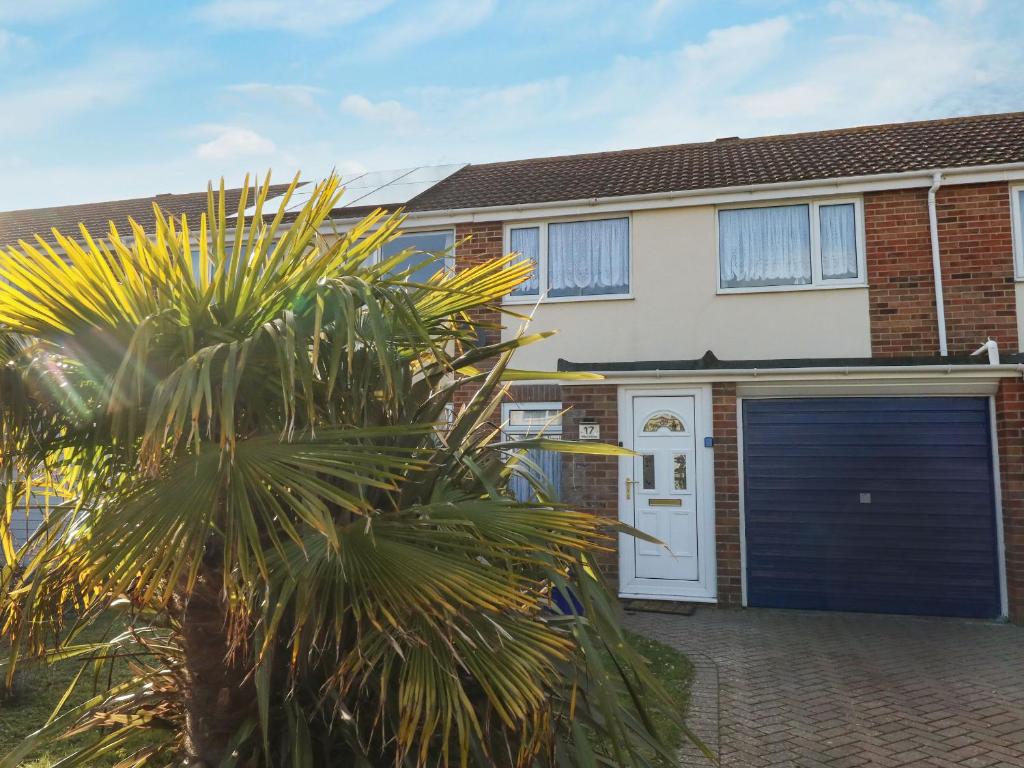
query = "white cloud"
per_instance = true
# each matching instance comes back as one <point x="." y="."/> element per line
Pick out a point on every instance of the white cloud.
<point x="888" y="64"/>
<point x="100" y="83"/>
<point x="304" y="96"/>
<point x="230" y="142"/>
<point x="389" y="113"/>
<point x="846" y="63"/>
<point x="301" y="16"/>
<point x="40" y="10"/>
<point x="740" y="43"/>
<point x="427" y="21"/>
<point x="12" y="44"/>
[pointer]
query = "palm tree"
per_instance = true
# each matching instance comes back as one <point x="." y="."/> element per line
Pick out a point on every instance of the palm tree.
<point x="255" y="489"/>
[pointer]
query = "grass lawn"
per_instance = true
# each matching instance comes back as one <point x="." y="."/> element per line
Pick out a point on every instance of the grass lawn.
<point x="675" y="672"/>
<point x="37" y="691"/>
<point x="30" y="702"/>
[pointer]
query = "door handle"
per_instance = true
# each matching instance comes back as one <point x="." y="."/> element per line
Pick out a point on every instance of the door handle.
<point x="629" y="488"/>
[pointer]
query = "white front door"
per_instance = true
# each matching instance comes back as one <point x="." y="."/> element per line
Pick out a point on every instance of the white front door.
<point x="663" y="495"/>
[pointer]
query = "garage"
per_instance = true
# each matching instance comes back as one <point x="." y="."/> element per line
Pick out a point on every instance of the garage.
<point x="876" y="504"/>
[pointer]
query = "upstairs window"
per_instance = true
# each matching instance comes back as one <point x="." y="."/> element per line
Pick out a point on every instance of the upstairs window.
<point x="526" y="242"/>
<point x="815" y="244"/>
<point x="423" y="244"/>
<point x="574" y="259"/>
<point x="1017" y="207"/>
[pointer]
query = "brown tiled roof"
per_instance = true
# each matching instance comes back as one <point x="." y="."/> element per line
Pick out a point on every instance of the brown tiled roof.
<point x="957" y="142"/>
<point x="951" y="143"/>
<point x="25" y="224"/>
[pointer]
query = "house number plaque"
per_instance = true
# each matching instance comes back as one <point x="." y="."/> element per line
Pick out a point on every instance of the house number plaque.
<point x="590" y="431"/>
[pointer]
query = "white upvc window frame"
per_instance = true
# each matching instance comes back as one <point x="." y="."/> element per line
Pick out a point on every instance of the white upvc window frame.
<point x="548" y="430"/>
<point x="1017" y="229"/>
<point x="542" y="261"/>
<point x="449" y="260"/>
<point x="818" y="283"/>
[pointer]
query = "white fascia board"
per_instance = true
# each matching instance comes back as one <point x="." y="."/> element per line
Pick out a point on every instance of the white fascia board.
<point x="907" y="373"/>
<point x="719" y="196"/>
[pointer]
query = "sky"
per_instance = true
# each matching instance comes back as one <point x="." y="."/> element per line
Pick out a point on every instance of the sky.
<point x="111" y="99"/>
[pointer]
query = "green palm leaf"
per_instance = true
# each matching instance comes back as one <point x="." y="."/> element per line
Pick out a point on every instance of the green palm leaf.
<point x="240" y="424"/>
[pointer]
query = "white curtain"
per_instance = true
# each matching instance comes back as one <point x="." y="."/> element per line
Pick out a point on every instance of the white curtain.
<point x="550" y="464"/>
<point x="838" y="241"/>
<point x="765" y="246"/>
<point x="526" y="242"/>
<point x="588" y="258"/>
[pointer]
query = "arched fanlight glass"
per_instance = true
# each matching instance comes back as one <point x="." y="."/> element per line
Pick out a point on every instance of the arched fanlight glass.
<point x="664" y="420"/>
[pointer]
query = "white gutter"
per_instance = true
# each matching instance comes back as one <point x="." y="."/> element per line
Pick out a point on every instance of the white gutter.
<point x="933" y="226"/>
<point x="874" y="371"/>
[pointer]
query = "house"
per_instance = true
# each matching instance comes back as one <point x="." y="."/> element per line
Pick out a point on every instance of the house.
<point x="785" y="325"/>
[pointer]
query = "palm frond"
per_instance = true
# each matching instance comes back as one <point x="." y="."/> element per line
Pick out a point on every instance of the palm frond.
<point x="238" y="425"/>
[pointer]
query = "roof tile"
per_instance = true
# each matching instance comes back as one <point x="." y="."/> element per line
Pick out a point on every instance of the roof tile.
<point x="949" y="143"/>
<point x="97" y="217"/>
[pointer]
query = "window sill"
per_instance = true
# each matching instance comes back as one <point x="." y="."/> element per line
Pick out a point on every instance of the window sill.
<point x="789" y="288"/>
<point x="531" y="300"/>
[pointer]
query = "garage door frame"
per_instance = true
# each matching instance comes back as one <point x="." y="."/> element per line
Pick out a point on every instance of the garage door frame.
<point x="974" y="389"/>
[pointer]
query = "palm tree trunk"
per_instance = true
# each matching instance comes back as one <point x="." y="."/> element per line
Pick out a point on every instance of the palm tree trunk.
<point x="218" y="698"/>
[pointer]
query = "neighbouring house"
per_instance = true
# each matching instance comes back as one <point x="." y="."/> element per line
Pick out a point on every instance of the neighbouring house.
<point x="785" y="325"/>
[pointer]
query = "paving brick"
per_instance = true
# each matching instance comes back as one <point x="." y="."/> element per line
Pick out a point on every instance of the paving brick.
<point x="796" y="689"/>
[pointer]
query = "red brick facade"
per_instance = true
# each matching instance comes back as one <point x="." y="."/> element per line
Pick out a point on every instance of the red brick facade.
<point x="727" y="493"/>
<point x="977" y="260"/>
<point x="976" y="244"/>
<point x="592" y="482"/>
<point x="1010" y="431"/>
<point x="475" y="244"/>
<point x="976" y="249"/>
<point x="899" y="265"/>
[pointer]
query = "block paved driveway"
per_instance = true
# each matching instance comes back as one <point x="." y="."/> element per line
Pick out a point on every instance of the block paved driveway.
<point x="794" y="688"/>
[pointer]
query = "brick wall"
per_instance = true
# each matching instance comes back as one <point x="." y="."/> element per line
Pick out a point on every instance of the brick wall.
<point x="727" y="494"/>
<point x="1010" y="432"/>
<point x="976" y="244"/>
<point x="591" y="482"/>
<point x="977" y="268"/>
<point x="475" y="244"/>
<point x="899" y="263"/>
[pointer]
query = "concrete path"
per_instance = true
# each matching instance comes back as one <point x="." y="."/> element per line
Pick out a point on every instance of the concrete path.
<point x="793" y="688"/>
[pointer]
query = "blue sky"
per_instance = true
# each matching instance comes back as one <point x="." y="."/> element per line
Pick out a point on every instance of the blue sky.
<point x="103" y="99"/>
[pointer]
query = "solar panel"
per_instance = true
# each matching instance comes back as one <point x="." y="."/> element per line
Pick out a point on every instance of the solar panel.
<point x="393" y="187"/>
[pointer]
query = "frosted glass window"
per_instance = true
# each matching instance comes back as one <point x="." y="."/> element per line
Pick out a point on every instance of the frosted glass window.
<point x="663" y="420"/>
<point x="649" y="477"/>
<point x="679" y="478"/>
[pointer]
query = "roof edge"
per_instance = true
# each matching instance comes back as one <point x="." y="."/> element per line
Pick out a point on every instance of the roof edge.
<point x="710" y="363"/>
<point x="774" y="137"/>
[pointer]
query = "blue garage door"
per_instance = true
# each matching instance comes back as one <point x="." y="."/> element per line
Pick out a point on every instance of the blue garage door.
<point x="871" y="504"/>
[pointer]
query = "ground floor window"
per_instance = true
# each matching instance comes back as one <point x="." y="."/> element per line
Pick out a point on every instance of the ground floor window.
<point x="523" y="420"/>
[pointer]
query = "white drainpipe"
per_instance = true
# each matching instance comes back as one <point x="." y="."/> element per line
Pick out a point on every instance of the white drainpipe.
<point x="933" y="225"/>
<point x="992" y="348"/>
